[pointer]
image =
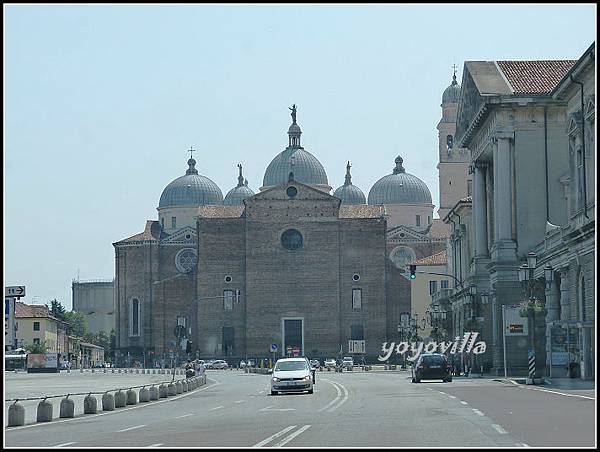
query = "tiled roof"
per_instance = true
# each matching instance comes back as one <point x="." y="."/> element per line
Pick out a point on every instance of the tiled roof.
<point x="151" y="232"/>
<point x="361" y="211"/>
<point x="23" y="310"/>
<point x="434" y="259"/>
<point x="439" y="229"/>
<point x="535" y="77"/>
<point x="221" y="211"/>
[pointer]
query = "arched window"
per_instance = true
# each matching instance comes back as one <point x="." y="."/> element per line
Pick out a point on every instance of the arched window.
<point x="134" y="317"/>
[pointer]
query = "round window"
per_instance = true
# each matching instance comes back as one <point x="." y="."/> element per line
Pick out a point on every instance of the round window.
<point x="227" y="278"/>
<point x="291" y="239"/>
<point x="356" y="277"/>
<point x="186" y="260"/>
<point x="292" y="191"/>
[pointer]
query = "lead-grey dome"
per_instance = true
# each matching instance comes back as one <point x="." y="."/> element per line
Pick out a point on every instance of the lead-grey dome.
<point x="349" y="193"/>
<point x="452" y="93"/>
<point x="399" y="188"/>
<point x="192" y="189"/>
<point x="305" y="166"/>
<point x="237" y="194"/>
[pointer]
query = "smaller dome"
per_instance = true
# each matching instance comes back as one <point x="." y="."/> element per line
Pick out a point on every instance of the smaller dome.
<point x="192" y="189"/>
<point x="294" y="128"/>
<point x="399" y="188"/>
<point x="348" y="193"/>
<point x="237" y="194"/>
<point x="452" y="93"/>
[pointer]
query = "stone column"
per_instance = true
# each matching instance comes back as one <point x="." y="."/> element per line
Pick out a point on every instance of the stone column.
<point x="552" y="300"/>
<point x="503" y="184"/>
<point x="480" y="212"/>
<point x="565" y="301"/>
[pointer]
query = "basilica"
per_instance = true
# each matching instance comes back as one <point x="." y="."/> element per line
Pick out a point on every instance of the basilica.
<point x="295" y="269"/>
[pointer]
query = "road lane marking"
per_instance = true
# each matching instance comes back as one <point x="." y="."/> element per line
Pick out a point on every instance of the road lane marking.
<point x="451" y="396"/>
<point x="442" y="392"/>
<point x="270" y="408"/>
<point x="499" y="429"/>
<point x="131" y="428"/>
<point x="560" y="393"/>
<point x="276" y="435"/>
<point x="287" y="439"/>
<point x="155" y="445"/>
<point x="476" y="411"/>
<point x="106" y="413"/>
<point x="339" y="394"/>
<point x="261" y="392"/>
<point x="65" y="444"/>
<point x="523" y="445"/>
<point x="463" y="402"/>
<point x="239" y="401"/>
<point x="185" y="415"/>
<point x="217" y="408"/>
<point x="335" y="407"/>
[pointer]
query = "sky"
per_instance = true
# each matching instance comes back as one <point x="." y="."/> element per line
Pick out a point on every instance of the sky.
<point x="102" y="102"/>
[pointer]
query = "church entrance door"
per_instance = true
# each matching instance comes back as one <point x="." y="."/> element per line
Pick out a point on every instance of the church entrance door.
<point x="293" y="337"/>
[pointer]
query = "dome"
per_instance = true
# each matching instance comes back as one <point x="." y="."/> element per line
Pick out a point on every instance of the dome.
<point x="452" y="93"/>
<point x="307" y="169"/>
<point x="348" y="193"/>
<point x="237" y="194"/>
<point x="399" y="188"/>
<point x="192" y="189"/>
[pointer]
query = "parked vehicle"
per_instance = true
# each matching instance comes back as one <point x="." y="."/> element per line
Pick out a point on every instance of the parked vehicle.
<point x="219" y="364"/>
<point x="432" y="366"/>
<point x="330" y="363"/>
<point x="208" y="364"/>
<point x="315" y="363"/>
<point x="347" y="363"/>
<point x="291" y="375"/>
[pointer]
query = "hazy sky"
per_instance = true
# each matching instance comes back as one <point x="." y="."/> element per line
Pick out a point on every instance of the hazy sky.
<point x="102" y="102"/>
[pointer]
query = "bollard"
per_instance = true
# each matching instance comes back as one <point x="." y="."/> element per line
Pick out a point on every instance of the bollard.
<point x="153" y="371"/>
<point x="104" y="370"/>
<point x="178" y="387"/>
<point x="93" y="370"/>
<point x="81" y="370"/>
<point x="153" y="393"/>
<point x="120" y="399"/>
<point x="68" y="371"/>
<point x="108" y="402"/>
<point x="131" y="397"/>
<point x="67" y="407"/>
<point x="16" y="414"/>
<point x="44" y="411"/>
<point x="162" y="391"/>
<point x="144" y="395"/>
<point x="113" y="371"/>
<point x="90" y="404"/>
<point x="185" y="386"/>
<point x="119" y="370"/>
<point x="137" y="371"/>
<point x="172" y="390"/>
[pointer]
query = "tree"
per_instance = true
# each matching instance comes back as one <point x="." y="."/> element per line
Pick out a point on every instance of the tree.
<point x="77" y="323"/>
<point x="41" y="347"/>
<point x="57" y="309"/>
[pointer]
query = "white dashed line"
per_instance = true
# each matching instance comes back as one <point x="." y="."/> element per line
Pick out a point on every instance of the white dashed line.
<point x="155" y="445"/>
<point x="65" y="444"/>
<point x="451" y="396"/>
<point x="478" y="412"/>
<point x="498" y="428"/>
<point x="131" y="428"/>
<point x="463" y="402"/>
<point x="522" y="445"/>
<point x="276" y="435"/>
<point x="239" y="401"/>
<point x="442" y="392"/>
<point x="217" y="408"/>
<point x="185" y="415"/>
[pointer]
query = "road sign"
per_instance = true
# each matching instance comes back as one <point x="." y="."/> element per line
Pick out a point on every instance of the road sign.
<point x="273" y="348"/>
<point x="14" y="291"/>
<point x="355" y="346"/>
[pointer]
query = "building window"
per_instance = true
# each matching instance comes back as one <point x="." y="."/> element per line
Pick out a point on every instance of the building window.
<point x="181" y="321"/>
<point x="134" y="317"/>
<point x="469" y="188"/>
<point x="449" y="143"/>
<point x="36" y="326"/>
<point x="444" y="284"/>
<point x="36" y="340"/>
<point x="357" y="333"/>
<point x="173" y="222"/>
<point x="356" y="298"/>
<point x="432" y="287"/>
<point x="418" y="220"/>
<point x="186" y="260"/>
<point x="428" y="219"/>
<point x="580" y="179"/>
<point x="291" y="239"/>
<point x="582" y="299"/>
<point x="228" y="300"/>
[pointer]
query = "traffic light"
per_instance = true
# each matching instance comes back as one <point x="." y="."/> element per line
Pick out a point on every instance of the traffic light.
<point x="413" y="270"/>
<point x="188" y="347"/>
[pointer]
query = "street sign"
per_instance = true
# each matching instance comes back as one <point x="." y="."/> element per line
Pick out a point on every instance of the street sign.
<point x="355" y="346"/>
<point x="14" y="291"/>
<point x="273" y="348"/>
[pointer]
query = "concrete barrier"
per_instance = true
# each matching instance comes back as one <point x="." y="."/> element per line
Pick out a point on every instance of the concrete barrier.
<point x="67" y="408"/>
<point x="108" y="402"/>
<point x="143" y="395"/>
<point x="44" y="411"/>
<point x="131" y="397"/>
<point x="120" y="399"/>
<point x="16" y="414"/>
<point x="178" y="387"/>
<point x="154" y="393"/>
<point x="113" y="371"/>
<point x="162" y="391"/>
<point x="172" y="390"/>
<point x="184" y="386"/>
<point x="90" y="404"/>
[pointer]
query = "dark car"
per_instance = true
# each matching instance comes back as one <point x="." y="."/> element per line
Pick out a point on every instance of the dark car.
<point x="432" y="366"/>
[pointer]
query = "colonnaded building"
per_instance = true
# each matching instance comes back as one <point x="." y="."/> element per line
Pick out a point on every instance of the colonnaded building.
<point x="292" y="265"/>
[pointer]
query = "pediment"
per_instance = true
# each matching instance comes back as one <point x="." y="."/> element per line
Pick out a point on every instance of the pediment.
<point x="280" y="192"/>
<point x="403" y="233"/>
<point x="186" y="235"/>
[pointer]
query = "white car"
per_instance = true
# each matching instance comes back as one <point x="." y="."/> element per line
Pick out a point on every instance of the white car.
<point x="329" y="363"/>
<point x="291" y="375"/>
<point x="348" y="362"/>
<point x="219" y="364"/>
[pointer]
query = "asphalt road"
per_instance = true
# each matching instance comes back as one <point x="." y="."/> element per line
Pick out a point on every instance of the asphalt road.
<point x="377" y="409"/>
